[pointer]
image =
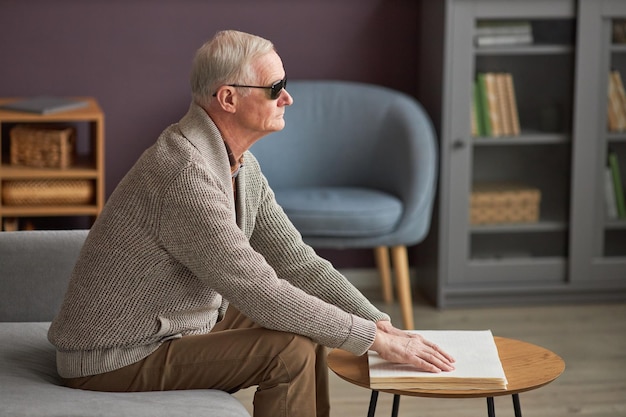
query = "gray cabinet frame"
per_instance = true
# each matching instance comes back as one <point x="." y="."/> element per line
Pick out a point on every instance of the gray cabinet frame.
<point x="448" y="273"/>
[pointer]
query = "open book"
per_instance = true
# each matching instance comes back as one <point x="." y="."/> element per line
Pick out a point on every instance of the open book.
<point x="477" y="365"/>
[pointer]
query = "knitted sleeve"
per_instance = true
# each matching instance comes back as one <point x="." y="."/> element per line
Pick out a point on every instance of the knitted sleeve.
<point x="282" y="246"/>
<point x="197" y="226"/>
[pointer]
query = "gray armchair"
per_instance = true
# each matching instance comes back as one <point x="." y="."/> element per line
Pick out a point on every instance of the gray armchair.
<point x="355" y="167"/>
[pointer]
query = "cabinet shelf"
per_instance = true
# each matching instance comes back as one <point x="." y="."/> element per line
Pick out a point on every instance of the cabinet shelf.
<point x="526" y="138"/>
<point x="518" y="262"/>
<point x="616" y="137"/>
<point x="49" y="210"/>
<point x="540" y="226"/>
<point x="560" y="83"/>
<point x="617" y="48"/>
<point x="521" y="50"/>
<point x="508" y="272"/>
<point x="88" y="163"/>
<point x="615" y="225"/>
<point x="9" y="172"/>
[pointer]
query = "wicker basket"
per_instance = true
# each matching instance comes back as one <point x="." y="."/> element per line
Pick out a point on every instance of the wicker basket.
<point x="43" y="146"/>
<point x="504" y="203"/>
<point x="47" y="192"/>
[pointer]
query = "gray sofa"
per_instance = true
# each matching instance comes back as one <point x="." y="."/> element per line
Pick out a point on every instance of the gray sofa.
<point x="34" y="270"/>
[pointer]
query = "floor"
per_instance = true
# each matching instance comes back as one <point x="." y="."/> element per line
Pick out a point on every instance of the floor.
<point x="590" y="338"/>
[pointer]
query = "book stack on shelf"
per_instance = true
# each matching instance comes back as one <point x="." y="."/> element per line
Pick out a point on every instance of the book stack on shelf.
<point x="619" y="31"/>
<point x="494" y="106"/>
<point x="614" y="191"/>
<point x="503" y="32"/>
<point x="616" y="110"/>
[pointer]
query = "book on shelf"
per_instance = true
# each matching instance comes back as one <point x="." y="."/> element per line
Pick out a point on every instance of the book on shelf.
<point x="617" y="184"/>
<point x="503" y="27"/>
<point x="482" y="104"/>
<point x="506" y="118"/>
<point x="619" y="31"/>
<point x="474" y="117"/>
<point x="616" y="106"/>
<point x="504" y="40"/>
<point x="512" y="104"/>
<point x="503" y="32"/>
<point x="493" y="100"/>
<point x="477" y="366"/>
<point x="609" y="194"/>
<point x="495" y="107"/>
<point x="44" y="104"/>
<point x="621" y="94"/>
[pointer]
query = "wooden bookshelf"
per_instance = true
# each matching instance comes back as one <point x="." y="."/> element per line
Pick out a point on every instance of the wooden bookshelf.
<point x="89" y="164"/>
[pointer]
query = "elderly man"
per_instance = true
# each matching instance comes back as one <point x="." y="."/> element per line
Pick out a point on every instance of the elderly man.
<point x="193" y="277"/>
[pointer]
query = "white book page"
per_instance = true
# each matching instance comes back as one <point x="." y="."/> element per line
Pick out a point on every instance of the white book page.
<point x="475" y="353"/>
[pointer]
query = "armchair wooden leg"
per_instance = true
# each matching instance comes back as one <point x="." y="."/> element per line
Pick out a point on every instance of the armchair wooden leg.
<point x="381" y="255"/>
<point x="403" y="284"/>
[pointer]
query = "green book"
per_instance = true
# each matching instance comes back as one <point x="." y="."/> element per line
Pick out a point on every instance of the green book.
<point x="478" y="109"/>
<point x="617" y="183"/>
<point x="484" y="105"/>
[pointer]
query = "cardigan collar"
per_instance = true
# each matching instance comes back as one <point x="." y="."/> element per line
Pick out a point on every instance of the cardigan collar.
<point x="204" y="135"/>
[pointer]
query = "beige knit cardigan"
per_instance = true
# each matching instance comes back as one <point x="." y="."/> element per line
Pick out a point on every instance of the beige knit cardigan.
<point x="168" y="253"/>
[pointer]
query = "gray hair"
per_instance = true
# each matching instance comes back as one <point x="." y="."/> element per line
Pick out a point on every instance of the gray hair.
<point x="225" y="59"/>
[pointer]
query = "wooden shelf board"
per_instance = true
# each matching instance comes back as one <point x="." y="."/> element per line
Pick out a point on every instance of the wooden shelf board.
<point x="91" y="112"/>
<point x="8" y="172"/>
<point x="44" y="211"/>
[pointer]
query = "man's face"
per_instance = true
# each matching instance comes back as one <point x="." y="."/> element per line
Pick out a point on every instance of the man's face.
<point x="257" y="111"/>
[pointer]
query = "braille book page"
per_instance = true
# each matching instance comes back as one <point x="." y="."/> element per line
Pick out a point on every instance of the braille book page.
<point x="478" y="365"/>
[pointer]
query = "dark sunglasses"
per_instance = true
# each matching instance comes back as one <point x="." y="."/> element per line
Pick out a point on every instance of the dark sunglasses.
<point x="275" y="88"/>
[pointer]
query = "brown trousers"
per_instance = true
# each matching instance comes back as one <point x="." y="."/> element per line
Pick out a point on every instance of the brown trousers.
<point x="289" y="370"/>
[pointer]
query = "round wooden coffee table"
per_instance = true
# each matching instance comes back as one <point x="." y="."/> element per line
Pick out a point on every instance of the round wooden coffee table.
<point x="526" y="366"/>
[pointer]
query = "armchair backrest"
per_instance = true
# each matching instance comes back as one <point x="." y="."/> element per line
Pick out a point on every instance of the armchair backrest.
<point x="341" y="133"/>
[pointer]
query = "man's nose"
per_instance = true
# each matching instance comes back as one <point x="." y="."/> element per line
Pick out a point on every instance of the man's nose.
<point x="285" y="98"/>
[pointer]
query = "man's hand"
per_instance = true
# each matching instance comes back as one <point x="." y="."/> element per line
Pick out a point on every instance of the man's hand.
<point x="398" y="346"/>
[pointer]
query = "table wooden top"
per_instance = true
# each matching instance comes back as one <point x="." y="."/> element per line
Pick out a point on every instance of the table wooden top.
<point x="526" y="366"/>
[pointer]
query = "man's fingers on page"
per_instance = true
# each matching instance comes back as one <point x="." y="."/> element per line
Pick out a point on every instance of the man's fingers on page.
<point x="446" y="357"/>
<point x="426" y="366"/>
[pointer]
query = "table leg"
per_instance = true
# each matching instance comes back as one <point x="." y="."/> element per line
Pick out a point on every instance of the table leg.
<point x="491" y="408"/>
<point x="372" y="407"/>
<point x="516" y="405"/>
<point x="396" y="405"/>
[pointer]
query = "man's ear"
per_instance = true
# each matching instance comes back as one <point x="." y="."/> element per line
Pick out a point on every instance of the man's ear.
<point x="227" y="99"/>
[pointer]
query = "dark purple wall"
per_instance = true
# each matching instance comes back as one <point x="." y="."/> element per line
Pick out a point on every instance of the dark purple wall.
<point x="134" y="55"/>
